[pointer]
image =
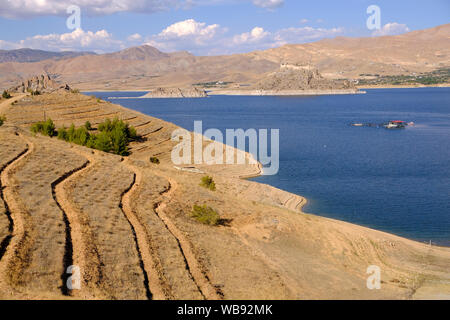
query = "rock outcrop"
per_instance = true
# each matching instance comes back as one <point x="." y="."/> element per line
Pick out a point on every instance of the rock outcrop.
<point x="42" y="83"/>
<point x="176" y="93"/>
<point x="302" y="78"/>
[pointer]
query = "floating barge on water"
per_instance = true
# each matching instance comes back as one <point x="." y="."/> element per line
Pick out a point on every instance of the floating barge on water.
<point x="393" y="124"/>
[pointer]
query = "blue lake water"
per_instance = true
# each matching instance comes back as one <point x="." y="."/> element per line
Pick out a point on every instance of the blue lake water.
<point x="392" y="180"/>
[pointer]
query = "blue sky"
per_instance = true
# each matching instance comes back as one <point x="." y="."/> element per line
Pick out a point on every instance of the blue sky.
<point x="204" y="27"/>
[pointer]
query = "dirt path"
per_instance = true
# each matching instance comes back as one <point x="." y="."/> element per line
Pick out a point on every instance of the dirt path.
<point x="193" y="266"/>
<point x="150" y="267"/>
<point x="7" y="103"/>
<point x="18" y="253"/>
<point x="81" y="250"/>
<point x="288" y="282"/>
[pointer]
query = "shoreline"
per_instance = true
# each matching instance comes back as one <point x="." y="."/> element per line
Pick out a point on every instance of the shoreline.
<point x="446" y="85"/>
<point x="282" y="92"/>
<point x="299" y="206"/>
<point x="303" y="203"/>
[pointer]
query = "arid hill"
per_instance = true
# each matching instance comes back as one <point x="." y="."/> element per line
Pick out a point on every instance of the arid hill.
<point x="32" y="55"/>
<point x="38" y="84"/>
<point x="176" y="93"/>
<point x="127" y="223"/>
<point x="300" y="77"/>
<point x="146" y="67"/>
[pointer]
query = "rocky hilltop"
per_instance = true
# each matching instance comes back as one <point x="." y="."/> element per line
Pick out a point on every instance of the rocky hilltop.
<point x="176" y="93"/>
<point x="293" y="77"/>
<point x="42" y="83"/>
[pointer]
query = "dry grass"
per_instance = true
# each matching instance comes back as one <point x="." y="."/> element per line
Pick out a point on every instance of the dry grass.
<point x="98" y="194"/>
<point x="48" y="162"/>
<point x="11" y="147"/>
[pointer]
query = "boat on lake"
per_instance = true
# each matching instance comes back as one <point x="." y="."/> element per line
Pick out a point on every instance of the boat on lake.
<point x="395" y="124"/>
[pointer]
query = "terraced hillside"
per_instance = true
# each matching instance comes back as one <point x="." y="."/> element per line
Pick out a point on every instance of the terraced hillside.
<point x="126" y="223"/>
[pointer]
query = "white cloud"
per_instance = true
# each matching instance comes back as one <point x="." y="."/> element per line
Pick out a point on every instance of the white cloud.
<point x="6" y="45"/>
<point x="305" y="34"/>
<point x="257" y="34"/>
<point x="304" y="20"/>
<point x="259" y="39"/>
<point x="190" y="28"/>
<point x="27" y="8"/>
<point x="392" y="28"/>
<point x="268" y="4"/>
<point x="196" y="37"/>
<point x="190" y="35"/>
<point x="79" y="39"/>
<point x="134" y="37"/>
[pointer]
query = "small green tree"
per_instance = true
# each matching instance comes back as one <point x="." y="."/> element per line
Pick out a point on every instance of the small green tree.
<point x="88" y="125"/>
<point x="154" y="160"/>
<point x="205" y="215"/>
<point x="80" y="136"/>
<point x="102" y="142"/>
<point x="208" y="182"/>
<point x="47" y="128"/>
<point x="2" y="120"/>
<point x="6" y="95"/>
<point x="71" y="133"/>
<point x="119" y="141"/>
<point x="62" y="134"/>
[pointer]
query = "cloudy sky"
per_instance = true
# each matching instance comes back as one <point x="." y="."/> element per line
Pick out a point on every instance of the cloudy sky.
<point x="203" y="27"/>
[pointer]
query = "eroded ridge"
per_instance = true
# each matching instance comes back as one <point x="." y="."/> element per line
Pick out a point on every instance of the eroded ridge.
<point x="97" y="194"/>
<point x="148" y="265"/>
<point x="193" y="266"/>
<point x="9" y="153"/>
<point x="17" y="249"/>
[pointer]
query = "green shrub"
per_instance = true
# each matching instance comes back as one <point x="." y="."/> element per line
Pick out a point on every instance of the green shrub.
<point x="114" y="136"/>
<point x="208" y="183"/>
<point x="35" y="93"/>
<point x="154" y="160"/>
<point x="62" y="134"/>
<point x="6" y="95"/>
<point x="2" y="120"/>
<point x="75" y="91"/>
<point x="80" y="136"/>
<point x="102" y="142"/>
<point x="47" y="128"/>
<point x="205" y="215"/>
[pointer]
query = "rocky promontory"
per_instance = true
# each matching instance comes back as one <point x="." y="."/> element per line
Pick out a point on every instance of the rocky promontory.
<point x="176" y="93"/>
<point x="297" y="78"/>
<point x="41" y="84"/>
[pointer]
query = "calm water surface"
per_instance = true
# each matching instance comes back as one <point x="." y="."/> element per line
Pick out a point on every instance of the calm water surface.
<point x="392" y="180"/>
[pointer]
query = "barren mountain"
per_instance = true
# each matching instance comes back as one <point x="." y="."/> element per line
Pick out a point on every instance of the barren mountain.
<point x="146" y="67"/>
<point x="31" y="55"/>
<point x="341" y="57"/>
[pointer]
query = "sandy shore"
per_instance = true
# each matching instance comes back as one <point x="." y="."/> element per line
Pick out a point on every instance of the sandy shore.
<point x="444" y="85"/>
<point x="282" y="93"/>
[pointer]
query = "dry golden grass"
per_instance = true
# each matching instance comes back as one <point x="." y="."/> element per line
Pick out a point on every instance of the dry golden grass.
<point x="47" y="163"/>
<point x="11" y="147"/>
<point x="98" y="194"/>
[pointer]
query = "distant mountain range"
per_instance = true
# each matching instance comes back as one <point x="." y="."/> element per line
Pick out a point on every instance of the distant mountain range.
<point x="145" y="67"/>
<point x="32" y="55"/>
